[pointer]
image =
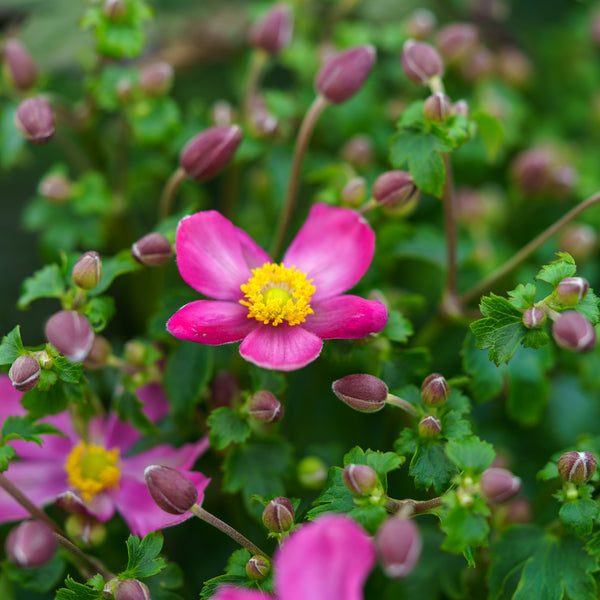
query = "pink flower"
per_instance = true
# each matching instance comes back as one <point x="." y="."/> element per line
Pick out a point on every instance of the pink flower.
<point x="328" y="559"/>
<point x="98" y="469"/>
<point x="281" y="312"/>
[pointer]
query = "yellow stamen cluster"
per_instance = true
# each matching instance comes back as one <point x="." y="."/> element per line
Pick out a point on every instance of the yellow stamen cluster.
<point x="91" y="469"/>
<point x="276" y="293"/>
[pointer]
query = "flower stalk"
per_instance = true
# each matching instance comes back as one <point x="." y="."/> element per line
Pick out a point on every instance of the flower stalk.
<point x="168" y="194"/>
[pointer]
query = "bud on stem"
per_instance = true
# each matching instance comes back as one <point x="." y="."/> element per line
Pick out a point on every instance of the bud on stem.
<point x="278" y="516"/>
<point x="362" y="392"/>
<point x="399" y="546"/>
<point x="577" y="467"/>
<point x="31" y="544"/>
<point x="25" y="373"/>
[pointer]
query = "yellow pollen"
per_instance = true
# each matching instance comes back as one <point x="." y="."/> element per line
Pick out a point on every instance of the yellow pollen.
<point x="91" y="469"/>
<point x="275" y="294"/>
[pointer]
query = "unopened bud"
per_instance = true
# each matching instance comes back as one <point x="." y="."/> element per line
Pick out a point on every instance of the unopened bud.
<point x="577" y="467"/>
<point x="114" y="9"/>
<point x="360" y="479"/>
<point x="571" y="290"/>
<point x="434" y="390"/>
<point x="209" y="152"/>
<point x="85" y="530"/>
<point x="456" y="41"/>
<point x="156" y="79"/>
<point x="362" y="392"/>
<point x="71" y="334"/>
<point x="573" y="331"/>
<point x="172" y="491"/>
<point x="420" y="23"/>
<point x="132" y="589"/>
<point x="532" y="170"/>
<point x="345" y="73"/>
<point x="421" y="61"/>
<point x="87" y="271"/>
<point x="579" y="240"/>
<point x="31" y="544"/>
<point x="72" y="503"/>
<point x="265" y="408"/>
<point x="460" y="107"/>
<point x="25" y="373"/>
<point x="98" y="354"/>
<point x="35" y="121"/>
<point x="278" y="516"/>
<point x="274" y="31"/>
<point x="223" y="114"/>
<point x="263" y="122"/>
<point x="358" y="151"/>
<point x="479" y="64"/>
<point x="153" y="250"/>
<point x="398" y="543"/>
<point x="312" y="472"/>
<point x="19" y="65"/>
<point x="499" y="485"/>
<point x="55" y="187"/>
<point x="534" y="317"/>
<point x="394" y="188"/>
<point x="258" y="567"/>
<point x="437" y="107"/>
<point x="430" y="427"/>
<point x="354" y="192"/>
<point x="514" y="67"/>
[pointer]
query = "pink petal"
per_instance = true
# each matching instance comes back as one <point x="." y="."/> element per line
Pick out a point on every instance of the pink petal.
<point x="283" y="348"/>
<point x="214" y="256"/>
<point x="211" y="322"/>
<point x="334" y="248"/>
<point x="156" y="404"/>
<point x="346" y="317"/>
<point x="228" y="592"/>
<point x="102" y="506"/>
<point x="10" y="400"/>
<point x="327" y="559"/>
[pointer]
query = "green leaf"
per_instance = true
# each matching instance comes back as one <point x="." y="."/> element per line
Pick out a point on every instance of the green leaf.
<point x="464" y="528"/>
<point x="210" y="586"/>
<point x="131" y="410"/>
<point x="99" y="311"/>
<point x="470" y="454"/>
<point x="155" y="120"/>
<point x="119" y="264"/>
<point x="77" y="591"/>
<point x="161" y="584"/>
<point x="143" y="559"/>
<point x="335" y="497"/>
<point x="588" y="306"/>
<point x="563" y="267"/>
<point x="11" y="347"/>
<point x="25" y="428"/>
<point x="7" y="453"/>
<point x="431" y="467"/>
<point x="11" y="140"/>
<point x="523" y="296"/>
<point x="48" y="282"/>
<point x="579" y="515"/>
<point x="491" y="132"/>
<point x="226" y="427"/>
<point x="370" y="516"/>
<point x="39" y="579"/>
<point x="40" y="403"/>
<point x="66" y="370"/>
<point x="398" y="329"/>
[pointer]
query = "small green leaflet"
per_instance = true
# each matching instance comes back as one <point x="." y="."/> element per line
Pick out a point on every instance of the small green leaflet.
<point x="465" y="526"/>
<point x="470" y="454"/>
<point x="11" y="347"/>
<point x="78" y="591"/>
<point x="25" y="428"/>
<point x="143" y="556"/>
<point x="48" y="282"/>
<point x="563" y="267"/>
<point x="579" y="515"/>
<point x="7" y="453"/>
<point x="226" y="427"/>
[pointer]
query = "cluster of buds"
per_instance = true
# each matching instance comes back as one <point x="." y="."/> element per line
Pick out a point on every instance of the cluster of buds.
<point x="421" y="62"/>
<point x="571" y="330"/>
<point x="258" y="567"/>
<point x="398" y="543"/>
<point x="362" y="392"/>
<point x="152" y="250"/>
<point x="437" y="107"/>
<point x="571" y="290"/>
<point x="279" y="515"/>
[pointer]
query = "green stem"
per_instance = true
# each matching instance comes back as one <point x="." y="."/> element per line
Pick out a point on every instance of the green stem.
<point x="169" y="191"/>
<point x="416" y="506"/>
<point x="401" y="403"/>
<point x="258" y="60"/>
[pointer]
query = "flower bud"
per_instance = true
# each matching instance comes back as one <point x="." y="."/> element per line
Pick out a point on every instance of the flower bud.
<point x="421" y="61"/>
<point x="430" y="427"/>
<point x="345" y="73"/>
<point x="35" y="121"/>
<point x="360" y="479"/>
<point x="156" y="78"/>
<point x="31" y="544"/>
<point x="577" y="467"/>
<point x="85" y="530"/>
<point x="19" y="65"/>
<point x="274" y="31"/>
<point x="534" y="317"/>
<point x="263" y="122"/>
<point x="312" y="472"/>
<point x="394" y="188"/>
<point x="579" y="240"/>
<point x="87" y="271"/>
<point x="132" y="589"/>
<point x="71" y="334"/>
<point x="25" y="373"/>
<point x="571" y="290"/>
<point x="358" y="151"/>
<point x="172" y="491"/>
<point x="279" y="515"/>
<point x="265" y="408"/>
<point x="420" y="23"/>
<point x="499" y="485"/>
<point x="437" y="107"/>
<point x="114" y="9"/>
<point x="460" y="107"/>
<point x="456" y="41"/>
<point x="258" y="567"/>
<point x="514" y="67"/>
<point x="479" y="64"/>
<point x="398" y="543"/>
<point x="55" y="187"/>
<point x="98" y="354"/>
<point x="434" y="390"/>
<point x="532" y="170"/>
<point x="354" y="192"/>
<point x="209" y="152"/>
<point x="362" y="392"/>
<point x="517" y="512"/>
<point x="153" y="250"/>
<point x="222" y="113"/>
<point x="72" y="503"/>
<point x="573" y="331"/>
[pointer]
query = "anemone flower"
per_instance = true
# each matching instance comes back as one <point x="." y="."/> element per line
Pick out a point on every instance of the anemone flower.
<point x="280" y="312"/>
<point x="99" y="469"/>
<point x="328" y="559"/>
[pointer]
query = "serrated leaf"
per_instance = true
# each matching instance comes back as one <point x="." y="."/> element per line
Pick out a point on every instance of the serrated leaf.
<point x="523" y="296"/>
<point x="99" y="310"/>
<point x="431" y="467"/>
<point x="579" y="515"/>
<point x="48" y="282"/>
<point x="588" y="306"/>
<point x="11" y="347"/>
<point x="25" y="428"/>
<point x="370" y="516"/>
<point x="7" y="453"/>
<point x="470" y="454"/>
<point x="112" y="267"/>
<point x="550" y="471"/>
<point x="398" y="328"/>
<point x="40" y="579"/>
<point x="335" y="497"/>
<point x="226" y="427"/>
<point x="40" y="403"/>
<point x="143" y="559"/>
<point x="464" y="528"/>
<point x="66" y="370"/>
<point x="553" y="272"/>
<point x="77" y="591"/>
<point x="210" y="586"/>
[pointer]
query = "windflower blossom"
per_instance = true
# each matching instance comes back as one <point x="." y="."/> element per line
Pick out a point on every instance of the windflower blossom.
<point x="328" y="559"/>
<point x="280" y="312"/>
<point x="97" y="469"/>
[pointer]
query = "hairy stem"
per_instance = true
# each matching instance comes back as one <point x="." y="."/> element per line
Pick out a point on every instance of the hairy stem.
<point x="401" y="403"/>
<point x="169" y="191"/>
<point x="417" y="506"/>
<point x="449" y="303"/>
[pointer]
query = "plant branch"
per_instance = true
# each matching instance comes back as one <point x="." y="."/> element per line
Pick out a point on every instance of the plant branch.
<point x="449" y="302"/>
<point x="417" y="506"/>
<point x="401" y="403"/>
<point x="168" y="194"/>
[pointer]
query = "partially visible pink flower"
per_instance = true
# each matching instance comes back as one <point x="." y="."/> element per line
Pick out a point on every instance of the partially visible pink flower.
<point x="281" y="312"/>
<point x="328" y="559"/>
<point x="99" y="470"/>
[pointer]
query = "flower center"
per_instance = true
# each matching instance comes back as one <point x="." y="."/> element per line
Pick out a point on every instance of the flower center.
<point x="275" y="293"/>
<point x="91" y="469"/>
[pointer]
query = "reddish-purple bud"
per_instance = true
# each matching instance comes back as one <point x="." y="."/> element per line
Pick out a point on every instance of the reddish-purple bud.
<point x="532" y="170"/>
<point x="577" y="467"/>
<point x="223" y="114"/>
<point x="156" y="78"/>
<point x="394" y="188"/>
<point x="114" y="9"/>
<point x="420" y="23"/>
<point x="573" y="331"/>
<point x="153" y="250"/>
<point x="513" y="66"/>
<point x="354" y="192"/>
<point x="265" y="408"/>
<point x="437" y="107"/>
<point x="279" y="515"/>
<point x="499" y="485"/>
<point x="434" y="390"/>
<point x="456" y="40"/>
<point x="362" y="392"/>
<point x="25" y="373"/>
<point x="398" y="543"/>
<point x="534" y="317"/>
<point x="430" y="427"/>
<point x="72" y="503"/>
<point x="132" y="589"/>
<point x="360" y="479"/>
<point x="274" y="31"/>
<point x="31" y="544"/>
<point x="461" y="107"/>
<point x="345" y="73"/>
<point x="20" y="68"/>
<point x="87" y="271"/>
<point x="71" y="334"/>
<point x="209" y="152"/>
<point x="358" y="151"/>
<point x="421" y="61"/>
<point x="579" y="240"/>
<point x="479" y="64"/>
<point x="98" y="354"/>
<point x="172" y="491"/>
<point x="258" y="567"/>
<point x="571" y="290"/>
<point x="55" y="187"/>
<point x="35" y="121"/>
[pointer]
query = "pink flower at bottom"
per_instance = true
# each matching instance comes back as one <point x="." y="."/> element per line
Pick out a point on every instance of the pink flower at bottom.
<point x="280" y="312"/>
<point x="328" y="559"/>
<point x="98" y="470"/>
